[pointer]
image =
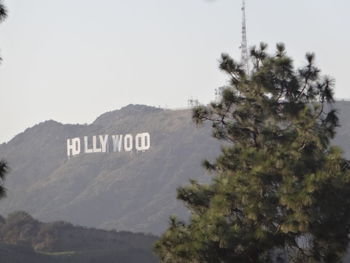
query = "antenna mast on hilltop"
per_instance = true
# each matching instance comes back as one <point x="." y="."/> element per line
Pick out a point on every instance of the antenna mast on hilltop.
<point x="244" y="45"/>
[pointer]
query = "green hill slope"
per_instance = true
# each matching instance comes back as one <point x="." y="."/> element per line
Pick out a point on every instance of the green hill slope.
<point x="24" y="239"/>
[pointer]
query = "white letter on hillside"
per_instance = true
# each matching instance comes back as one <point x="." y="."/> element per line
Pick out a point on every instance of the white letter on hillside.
<point x="143" y="141"/>
<point x="103" y="141"/>
<point x="128" y="143"/>
<point x="86" y="145"/>
<point x="94" y="145"/>
<point x="73" y="146"/>
<point x="117" y="142"/>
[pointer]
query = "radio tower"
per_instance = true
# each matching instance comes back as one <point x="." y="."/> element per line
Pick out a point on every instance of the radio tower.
<point x="244" y="45"/>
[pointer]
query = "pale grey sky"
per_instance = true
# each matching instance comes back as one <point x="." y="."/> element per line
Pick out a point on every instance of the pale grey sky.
<point x="71" y="60"/>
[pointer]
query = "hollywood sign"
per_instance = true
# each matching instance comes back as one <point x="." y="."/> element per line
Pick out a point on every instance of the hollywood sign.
<point x="102" y="143"/>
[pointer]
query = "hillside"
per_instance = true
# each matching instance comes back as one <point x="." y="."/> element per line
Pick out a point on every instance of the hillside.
<point x="132" y="191"/>
<point x="25" y="239"/>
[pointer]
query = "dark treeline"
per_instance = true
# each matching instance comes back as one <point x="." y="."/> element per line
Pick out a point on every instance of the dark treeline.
<point x="25" y="239"/>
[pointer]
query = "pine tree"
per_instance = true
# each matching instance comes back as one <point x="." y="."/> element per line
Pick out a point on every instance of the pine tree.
<point x="3" y="12"/>
<point x="3" y="166"/>
<point x="3" y="15"/>
<point x="279" y="188"/>
<point x="3" y="172"/>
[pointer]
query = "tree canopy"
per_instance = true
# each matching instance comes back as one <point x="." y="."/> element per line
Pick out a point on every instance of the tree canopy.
<point x="3" y="166"/>
<point x="279" y="188"/>
<point x="3" y="12"/>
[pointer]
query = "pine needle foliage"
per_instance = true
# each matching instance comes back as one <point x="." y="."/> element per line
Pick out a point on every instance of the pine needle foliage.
<point x="3" y="165"/>
<point x="278" y="186"/>
<point x="3" y="12"/>
<point x="3" y="172"/>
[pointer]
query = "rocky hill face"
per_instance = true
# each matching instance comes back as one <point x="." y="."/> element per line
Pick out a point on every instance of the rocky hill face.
<point x="123" y="190"/>
<point x="126" y="190"/>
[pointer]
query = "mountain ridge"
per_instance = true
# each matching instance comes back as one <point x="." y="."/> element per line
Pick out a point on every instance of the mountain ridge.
<point x="124" y="190"/>
<point x="133" y="191"/>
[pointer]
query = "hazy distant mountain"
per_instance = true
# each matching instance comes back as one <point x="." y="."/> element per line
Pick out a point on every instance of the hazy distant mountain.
<point x="133" y="191"/>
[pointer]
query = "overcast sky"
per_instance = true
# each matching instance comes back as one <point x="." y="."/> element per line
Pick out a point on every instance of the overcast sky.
<point x="72" y="60"/>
